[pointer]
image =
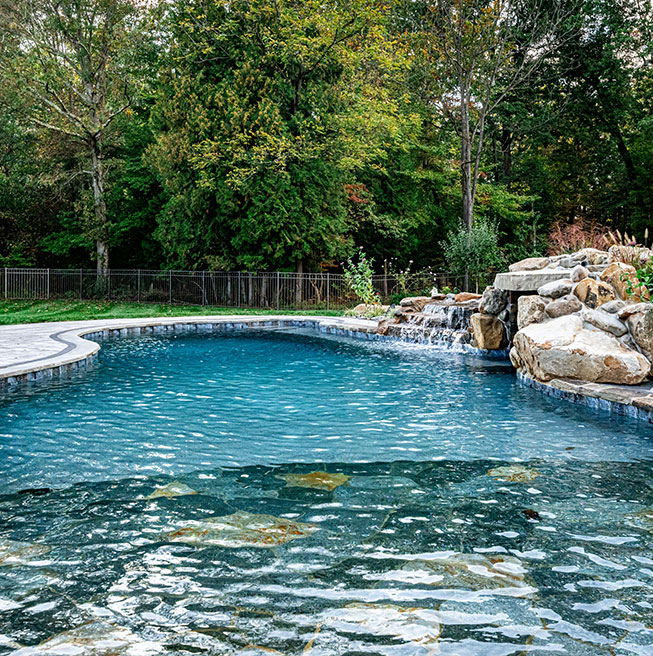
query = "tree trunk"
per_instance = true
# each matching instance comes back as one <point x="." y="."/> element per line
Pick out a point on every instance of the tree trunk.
<point x="506" y="143"/>
<point x="466" y="178"/>
<point x="99" y="208"/>
<point x="298" y="283"/>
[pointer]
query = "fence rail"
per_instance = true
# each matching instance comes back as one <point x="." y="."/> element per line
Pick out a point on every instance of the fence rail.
<point x="268" y="290"/>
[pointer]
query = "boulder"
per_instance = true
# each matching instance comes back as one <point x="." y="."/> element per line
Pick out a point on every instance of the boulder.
<point x="493" y="301"/>
<point x="613" y="307"/>
<point x="563" y="306"/>
<point x="529" y="264"/>
<point x="383" y="327"/>
<point x="530" y="309"/>
<point x="566" y="262"/>
<point x="562" y="348"/>
<point x="489" y="331"/>
<point x="415" y="303"/>
<point x="595" y="256"/>
<point x="594" y="293"/>
<point x="605" y="321"/>
<point x="556" y="289"/>
<point x="579" y="273"/>
<point x="621" y="277"/>
<point x="363" y="310"/>
<point x="641" y="330"/>
<point x="633" y="308"/>
<point x="463" y="297"/>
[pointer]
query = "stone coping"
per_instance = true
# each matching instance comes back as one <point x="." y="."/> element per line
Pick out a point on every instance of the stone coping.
<point x="634" y="401"/>
<point x="528" y="281"/>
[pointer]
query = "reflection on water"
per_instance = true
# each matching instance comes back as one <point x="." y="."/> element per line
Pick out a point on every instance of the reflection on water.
<point x="401" y="558"/>
<point x="504" y="524"/>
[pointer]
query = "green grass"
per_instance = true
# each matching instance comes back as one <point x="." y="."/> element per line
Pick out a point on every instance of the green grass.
<point x="12" y="312"/>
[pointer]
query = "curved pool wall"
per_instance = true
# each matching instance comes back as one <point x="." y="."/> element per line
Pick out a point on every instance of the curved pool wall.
<point x="55" y="349"/>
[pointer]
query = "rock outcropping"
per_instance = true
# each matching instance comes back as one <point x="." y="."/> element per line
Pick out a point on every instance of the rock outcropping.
<point x="596" y="324"/>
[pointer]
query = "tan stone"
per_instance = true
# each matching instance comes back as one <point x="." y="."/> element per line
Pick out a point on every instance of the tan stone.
<point x="530" y="309"/>
<point x="172" y="490"/>
<point x="622" y="277"/>
<point x="317" y="480"/>
<point x="463" y="297"/>
<point x="489" y="332"/>
<point x="383" y="327"/>
<point x="241" y="529"/>
<point x="594" y="293"/>
<point x="19" y="553"/>
<point x="562" y="348"/>
<point x="530" y="264"/>
<point x="415" y="303"/>
<point x="514" y="473"/>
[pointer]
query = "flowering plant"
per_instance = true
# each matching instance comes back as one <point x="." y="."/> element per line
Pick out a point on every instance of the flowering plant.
<point x="358" y="277"/>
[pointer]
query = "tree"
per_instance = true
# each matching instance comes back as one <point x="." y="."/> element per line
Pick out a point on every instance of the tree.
<point x="268" y="108"/>
<point x="69" y="64"/>
<point x="488" y="49"/>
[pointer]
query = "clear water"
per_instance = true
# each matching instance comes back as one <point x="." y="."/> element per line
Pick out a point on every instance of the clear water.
<point x="418" y="550"/>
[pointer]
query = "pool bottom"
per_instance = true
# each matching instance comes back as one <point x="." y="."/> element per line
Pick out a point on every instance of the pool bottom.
<point x="479" y="558"/>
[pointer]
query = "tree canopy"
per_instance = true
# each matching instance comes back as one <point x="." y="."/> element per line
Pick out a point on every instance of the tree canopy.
<point x="273" y="134"/>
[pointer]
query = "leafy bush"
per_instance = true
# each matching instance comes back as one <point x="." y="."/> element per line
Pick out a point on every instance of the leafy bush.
<point x="358" y="277"/>
<point x="476" y="251"/>
<point x="644" y="279"/>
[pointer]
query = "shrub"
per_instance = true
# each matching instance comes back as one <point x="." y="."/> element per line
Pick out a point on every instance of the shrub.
<point x="358" y="278"/>
<point x="476" y="251"/>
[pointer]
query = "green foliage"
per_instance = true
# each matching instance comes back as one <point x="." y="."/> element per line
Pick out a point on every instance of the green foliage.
<point x="475" y="251"/>
<point x="358" y="272"/>
<point x="644" y="282"/>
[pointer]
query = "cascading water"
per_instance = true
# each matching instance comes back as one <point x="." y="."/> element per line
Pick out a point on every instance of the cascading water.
<point x="439" y="324"/>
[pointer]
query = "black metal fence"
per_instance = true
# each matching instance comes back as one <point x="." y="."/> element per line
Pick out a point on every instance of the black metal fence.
<point x="269" y="290"/>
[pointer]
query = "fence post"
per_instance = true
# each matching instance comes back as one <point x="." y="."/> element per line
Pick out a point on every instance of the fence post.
<point x="278" y="289"/>
<point x="328" y="294"/>
<point x="6" y="290"/>
<point x="138" y="285"/>
<point x="109" y="285"/>
<point x="203" y="287"/>
<point x="238" y="290"/>
<point x="81" y="283"/>
<point x="48" y="285"/>
<point x="169" y="286"/>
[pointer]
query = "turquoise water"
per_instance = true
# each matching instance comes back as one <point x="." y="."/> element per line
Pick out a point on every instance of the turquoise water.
<point x="459" y="513"/>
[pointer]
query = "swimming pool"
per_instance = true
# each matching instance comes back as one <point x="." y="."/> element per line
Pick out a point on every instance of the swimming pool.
<point x="167" y="501"/>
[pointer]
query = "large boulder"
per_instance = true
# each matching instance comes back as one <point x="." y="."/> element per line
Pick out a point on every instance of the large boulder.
<point x="563" y="348"/>
<point x="556" y="288"/>
<point x="530" y="309"/>
<point x="595" y="256"/>
<point x="624" y="277"/>
<point x="489" y="332"/>
<point x="594" y="293"/>
<point x="641" y="329"/>
<point x="605" y="321"/>
<point x="530" y="264"/>
<point x="493" y="301"/>
<point x="563" y="306"/>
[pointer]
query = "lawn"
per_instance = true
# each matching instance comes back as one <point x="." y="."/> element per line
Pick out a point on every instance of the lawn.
<point x="12" y="312"/>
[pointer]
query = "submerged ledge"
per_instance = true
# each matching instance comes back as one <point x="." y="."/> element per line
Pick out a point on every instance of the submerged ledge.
<point x="634" y="401"/>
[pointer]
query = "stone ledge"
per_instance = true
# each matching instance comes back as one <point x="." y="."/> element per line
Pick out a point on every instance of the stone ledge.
<point x="528" y="281"/>
<point x="631" y="401"/>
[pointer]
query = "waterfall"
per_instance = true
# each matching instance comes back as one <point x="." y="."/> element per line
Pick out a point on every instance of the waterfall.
<point x="442" y="325"/>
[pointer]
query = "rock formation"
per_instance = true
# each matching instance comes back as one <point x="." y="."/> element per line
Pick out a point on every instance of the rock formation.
<point x="594" y="323"/>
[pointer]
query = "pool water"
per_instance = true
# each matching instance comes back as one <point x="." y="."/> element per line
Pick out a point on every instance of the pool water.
<point x="281" y="492"/>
